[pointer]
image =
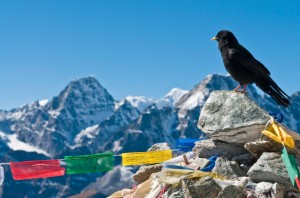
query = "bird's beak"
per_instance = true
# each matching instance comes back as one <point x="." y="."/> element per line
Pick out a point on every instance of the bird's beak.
<point x="213" y="38"/>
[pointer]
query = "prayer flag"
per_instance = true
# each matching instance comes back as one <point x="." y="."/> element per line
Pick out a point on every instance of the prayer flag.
<point x="297" y="182"/>
<point x="150" y="157"/>
<point x="278" y="117"/>
<point x="2" y="176"/>
<point x="279" y="134"/>
<point x="211" y="164"/>
<point x="186" y="144"/>
<point x="101" y="162"/>
<point x="291" y="165"/>
<point x="36" y="169"/>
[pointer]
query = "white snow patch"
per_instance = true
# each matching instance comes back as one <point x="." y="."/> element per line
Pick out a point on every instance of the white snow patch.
<point x="176" y="94"/>
<point x="17" y="145"/>
<point x="134" y="131"/>
<point x="195" y="100"/>
<point x="171" y="98"/>
<point x="54" y="113"/>
<point x="117" y="146"/>
<point x="89" y="132"/>
<point x="43" y="102"/>
<point x="16" y="115"/>
<point x="140" y="102"/>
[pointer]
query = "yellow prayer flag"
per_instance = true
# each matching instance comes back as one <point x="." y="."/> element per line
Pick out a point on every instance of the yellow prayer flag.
<point x="277" y="133"/>
<point x="150" y="157"/>
<point x="175" y="176"/>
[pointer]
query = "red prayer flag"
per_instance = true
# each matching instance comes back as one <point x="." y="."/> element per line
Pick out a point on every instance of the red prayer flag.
<point x="297" y="182"/>
<point x="36" y="169"/>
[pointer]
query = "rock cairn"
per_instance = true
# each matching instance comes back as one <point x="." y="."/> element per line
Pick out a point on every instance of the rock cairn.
<point x="249" y="163"/>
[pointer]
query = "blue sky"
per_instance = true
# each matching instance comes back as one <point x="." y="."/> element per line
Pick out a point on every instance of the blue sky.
<point x="137" y="47"/>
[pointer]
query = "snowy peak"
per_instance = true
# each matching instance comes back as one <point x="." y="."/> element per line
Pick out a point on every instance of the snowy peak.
<point x="85" y="90"/>
<point x="85" y="98"/>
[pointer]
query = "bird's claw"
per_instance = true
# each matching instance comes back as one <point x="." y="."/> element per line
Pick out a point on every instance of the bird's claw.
<point x="241" y="91"/>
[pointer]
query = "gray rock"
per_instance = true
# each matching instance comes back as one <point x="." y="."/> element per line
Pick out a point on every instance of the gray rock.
<point x="177" y="194"/>
<point x="228" y="169"/>
<point x="159" y="147"/>
<point x="198" y="163"/>
<point x="240" y="117"/>
<point x="205" y="187"/>
<point x="233" y="191"/>
<point x="293" y="195"/>
<point x="269" y="168"/>
<point x="241" y="182"/>
<point x="208" y="148"/>
<point x="278" y="190"/>
<point x="263" y="189"/>
<point x="145" y="171"/>
<point x="250" y="194"/>
<point x="266" y="189"/>
<point x="173" y="192"/>
<point x="246" y="159"/>
<point x="257" y="147"/>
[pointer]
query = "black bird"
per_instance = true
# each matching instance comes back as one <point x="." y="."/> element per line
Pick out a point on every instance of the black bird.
<point x="245" y="69"/>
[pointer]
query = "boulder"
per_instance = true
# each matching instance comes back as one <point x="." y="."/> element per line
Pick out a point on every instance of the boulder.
<point x="198" y="163"/>
<point x="145" y="171"/>
<point x="228" y="169"/>
<point x="241" y="181"/>
<point x="159" y="147"/>
<point x="208" y="148"/>
<point x="176" y="194"/>
<point x="266" y="189"/>
<point x="173" y="192"/>
<point x="258" y="147"/>
<point x="233" y="191"/>
<point x="278" y="190"/>
<point x="244" y="159"/>
<point x="205" y="187"/>
<point x="269" y="168"/>
<point x="293" y="195"/>
<point x="232" y="117"/>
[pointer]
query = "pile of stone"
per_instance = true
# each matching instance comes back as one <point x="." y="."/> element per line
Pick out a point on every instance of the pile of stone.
<point x="249" y="164"/>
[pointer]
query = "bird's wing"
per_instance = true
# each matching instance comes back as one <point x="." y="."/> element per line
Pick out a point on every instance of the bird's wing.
<point x="245" y="59"/>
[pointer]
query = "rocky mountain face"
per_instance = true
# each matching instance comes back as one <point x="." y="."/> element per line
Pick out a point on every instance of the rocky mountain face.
<point x="85" y="119"/>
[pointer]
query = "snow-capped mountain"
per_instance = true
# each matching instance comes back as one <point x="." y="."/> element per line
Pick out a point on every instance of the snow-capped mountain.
<point x="85" y="119"/>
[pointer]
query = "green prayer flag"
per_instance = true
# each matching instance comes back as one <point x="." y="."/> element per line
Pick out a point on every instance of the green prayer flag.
<point x="291" y="165"/>
<point x="101" y="162"/>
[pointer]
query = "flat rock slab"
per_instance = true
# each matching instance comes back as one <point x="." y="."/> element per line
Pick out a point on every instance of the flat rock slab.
<point x="258" y="147"/>
<point x="232" y="117"/>
<point x="208" y="148"/>
<point x="145" y="171"/>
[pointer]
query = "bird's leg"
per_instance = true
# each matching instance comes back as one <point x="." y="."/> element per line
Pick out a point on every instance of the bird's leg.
<point x="237" y="88"/>
<point x="244" y="88"/>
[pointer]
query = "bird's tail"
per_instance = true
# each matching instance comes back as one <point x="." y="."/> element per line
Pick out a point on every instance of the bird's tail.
<point x="272" y="89"/>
